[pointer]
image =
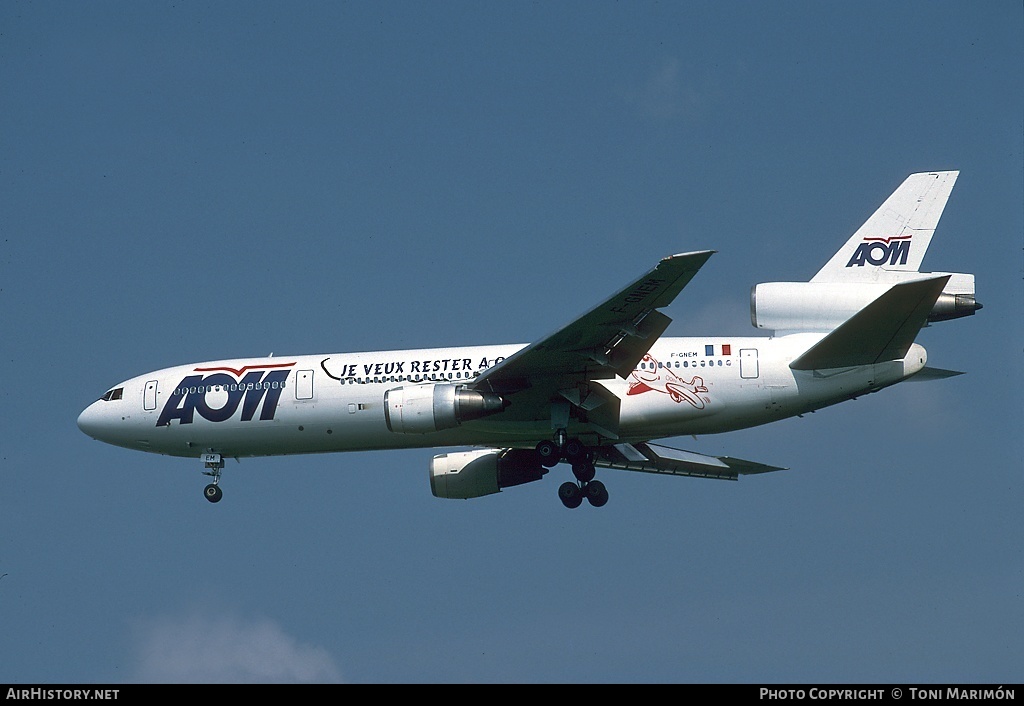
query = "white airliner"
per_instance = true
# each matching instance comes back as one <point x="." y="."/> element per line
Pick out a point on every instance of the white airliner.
<point x="596" y="393"/>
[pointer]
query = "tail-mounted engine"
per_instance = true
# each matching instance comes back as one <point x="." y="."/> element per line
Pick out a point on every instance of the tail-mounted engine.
<point x="472" y="474"/>
<point x="421" y="409"/>
<point x="822" y="306"/>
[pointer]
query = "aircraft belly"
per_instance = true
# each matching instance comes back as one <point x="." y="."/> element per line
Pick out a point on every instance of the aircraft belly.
<point x="813" y="389"/>
<point x="637" y="416"/>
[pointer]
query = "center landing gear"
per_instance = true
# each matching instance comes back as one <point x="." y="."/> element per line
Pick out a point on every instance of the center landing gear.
<point x="215" y="464"/>
<point x="574" y="452"/>
<point x="572" y="494"/>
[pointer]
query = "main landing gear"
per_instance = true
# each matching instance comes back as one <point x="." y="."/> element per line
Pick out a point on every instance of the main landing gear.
<point x="215" y="464"/>
<point x="574" y="452"/>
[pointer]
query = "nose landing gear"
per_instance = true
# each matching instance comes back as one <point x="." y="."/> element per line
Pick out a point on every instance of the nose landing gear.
<point x="215" y="464"/>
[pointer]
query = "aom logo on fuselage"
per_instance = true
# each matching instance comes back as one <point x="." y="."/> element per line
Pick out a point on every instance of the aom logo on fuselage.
<point x="216" y="397"/>
<point x="881" y="251"/>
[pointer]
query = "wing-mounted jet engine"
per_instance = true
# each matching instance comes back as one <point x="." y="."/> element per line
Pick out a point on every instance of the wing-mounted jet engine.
<point x="473" y="474"/>
<point x="421" y="409"/>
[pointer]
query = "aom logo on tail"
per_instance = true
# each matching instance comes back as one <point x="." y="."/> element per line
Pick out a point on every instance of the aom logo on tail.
<point x="881" y="251"/>
<point x="216" y="397"/>
<point x="651" y="376"/>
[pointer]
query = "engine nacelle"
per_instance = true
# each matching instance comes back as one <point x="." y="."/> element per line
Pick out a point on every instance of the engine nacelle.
<point x="822" y="306"/>
<point x="809" y="306"/>
<point x="421" y="409"/>
<point x="953" y="306"/>
<point x="473" y="474"/>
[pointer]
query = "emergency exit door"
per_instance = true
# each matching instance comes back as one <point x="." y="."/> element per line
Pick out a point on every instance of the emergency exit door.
<point x="748" y="363"/>
<point x="303" y="384"/>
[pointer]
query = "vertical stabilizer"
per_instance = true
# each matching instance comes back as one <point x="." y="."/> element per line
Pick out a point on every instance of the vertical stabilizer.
<point x="895" y="238"/>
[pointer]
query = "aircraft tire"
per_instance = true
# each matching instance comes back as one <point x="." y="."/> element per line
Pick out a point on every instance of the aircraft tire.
<point x="549" y="453"/>
<point x="596" y="493"/>
<point x="570" y="494"/>
<point x="584" y="471"/>
<point x="575" y="451"/>
<point x="213" y="493"/>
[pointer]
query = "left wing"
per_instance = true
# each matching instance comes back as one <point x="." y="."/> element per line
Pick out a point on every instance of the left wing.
<point x="609" y="340"/>
<point x="652" y="458"/>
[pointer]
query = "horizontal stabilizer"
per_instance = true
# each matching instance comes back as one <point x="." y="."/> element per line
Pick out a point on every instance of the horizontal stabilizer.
<point x="927" y="374"/>
<point x="883" y="330"/>
<point x="652" y="458"/>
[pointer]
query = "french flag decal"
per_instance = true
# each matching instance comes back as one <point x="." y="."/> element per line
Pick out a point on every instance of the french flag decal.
<point x="724" y="349"/>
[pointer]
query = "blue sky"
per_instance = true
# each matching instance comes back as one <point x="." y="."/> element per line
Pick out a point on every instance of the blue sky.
<point x="189" y="181"/>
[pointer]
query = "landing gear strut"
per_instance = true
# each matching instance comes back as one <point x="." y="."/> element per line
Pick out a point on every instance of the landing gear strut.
<point x="215" y="464"/>
<point x="578" y="455"/>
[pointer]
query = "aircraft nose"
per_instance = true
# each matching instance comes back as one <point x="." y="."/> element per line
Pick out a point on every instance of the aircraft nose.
<point x="90" y="421"/>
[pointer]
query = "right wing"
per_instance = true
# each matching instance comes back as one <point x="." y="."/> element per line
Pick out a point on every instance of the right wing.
<point x="652" y="458"/>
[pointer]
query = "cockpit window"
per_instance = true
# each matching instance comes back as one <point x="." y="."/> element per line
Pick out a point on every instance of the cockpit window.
<point x="114" y="394"/>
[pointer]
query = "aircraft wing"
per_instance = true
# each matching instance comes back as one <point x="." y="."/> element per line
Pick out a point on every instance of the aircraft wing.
<point x="609" y="340"/>
<point x="653" y="458"/>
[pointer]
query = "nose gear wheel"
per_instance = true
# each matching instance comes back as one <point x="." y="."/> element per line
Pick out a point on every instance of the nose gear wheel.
<point x="213" y="493"/>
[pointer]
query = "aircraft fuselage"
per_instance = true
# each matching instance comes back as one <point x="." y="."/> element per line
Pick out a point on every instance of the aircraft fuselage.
<point x="336" y="402"/>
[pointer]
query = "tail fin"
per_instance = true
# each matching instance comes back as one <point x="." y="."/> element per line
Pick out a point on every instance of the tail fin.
<point x="896" y="236"/>
<point x="887" y="250"/>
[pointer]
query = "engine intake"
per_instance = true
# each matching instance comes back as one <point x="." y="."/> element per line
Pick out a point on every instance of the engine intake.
<point x="473" y="474"/>
<point x="421" y="409"/>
